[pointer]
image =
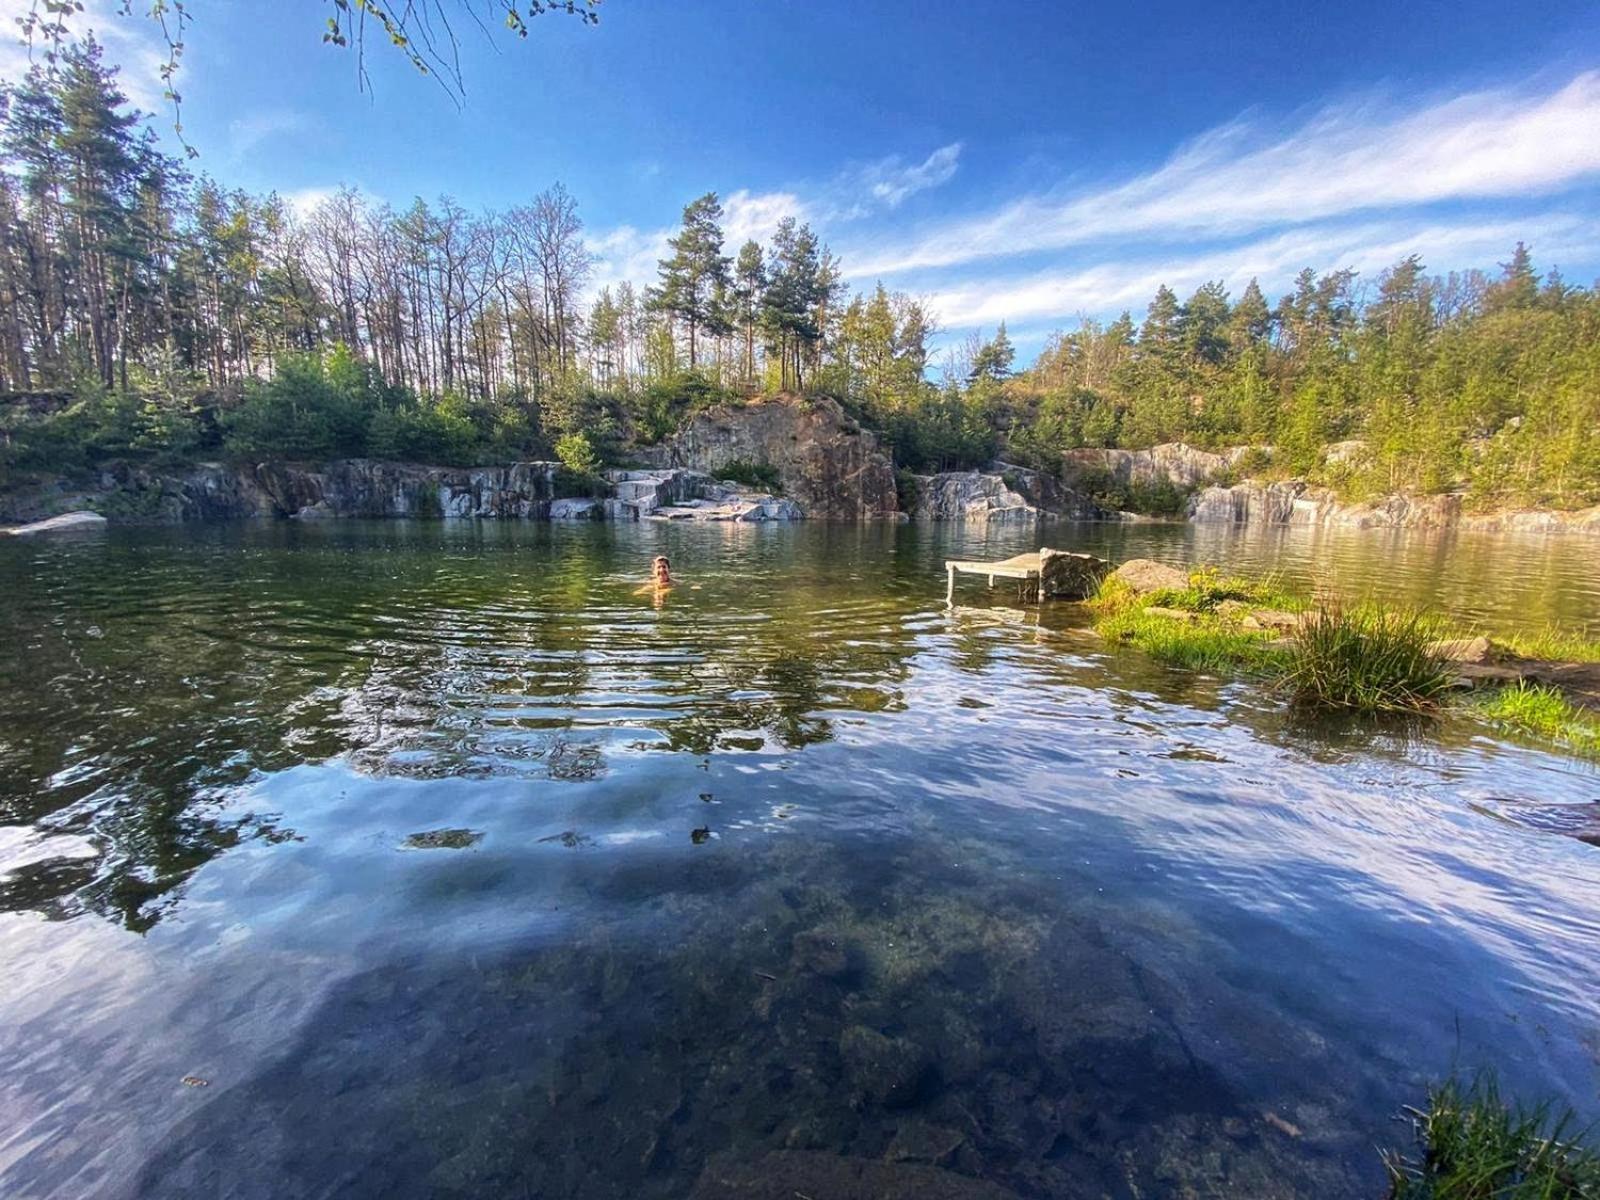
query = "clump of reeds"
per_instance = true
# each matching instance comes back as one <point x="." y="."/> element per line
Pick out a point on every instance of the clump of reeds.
<point x="1367" y="660"/>
<point x="1472" y="1145"/>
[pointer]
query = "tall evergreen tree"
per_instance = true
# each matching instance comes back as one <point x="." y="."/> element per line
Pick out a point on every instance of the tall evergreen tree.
<point x="694" y="281"/>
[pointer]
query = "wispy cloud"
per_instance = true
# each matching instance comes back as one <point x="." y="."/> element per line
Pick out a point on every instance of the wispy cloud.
<point x="1344" y="160"/>
<point x="245" y="134"/>
<point x="890" y="181"/>
<point x="1052" y="294"/>
<point x="129" y="40"/>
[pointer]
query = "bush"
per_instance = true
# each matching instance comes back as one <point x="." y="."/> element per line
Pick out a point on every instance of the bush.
<point x="1367" y="660"/>
<point x="1475" y="1146"/>
<point x="577" y="455"/>
<point x="762" y="476"/>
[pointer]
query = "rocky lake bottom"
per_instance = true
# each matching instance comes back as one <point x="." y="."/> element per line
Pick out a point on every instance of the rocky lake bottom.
<point x="401" y="859"/>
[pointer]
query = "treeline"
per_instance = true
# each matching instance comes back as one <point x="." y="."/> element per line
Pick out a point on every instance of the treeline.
<point x="179" y="319"/>
<point x="1470" y="381"/>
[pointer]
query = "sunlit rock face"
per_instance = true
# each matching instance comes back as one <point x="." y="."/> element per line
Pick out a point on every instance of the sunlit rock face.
<point x="1181" y="465"/>
<point x="1010" y="495"/>
<point x="367" y="488"/>
<point x="828" y="464"/>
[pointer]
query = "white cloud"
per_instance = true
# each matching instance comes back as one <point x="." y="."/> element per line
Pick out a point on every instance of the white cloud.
<point x="890" y="181"/>
<point x="246" y="133"/>
<point x="131" y="42"/>
<point x="625" y="254"/>
<point x="754" y="215"/>
<point x="1346" y="159"/>
<point x="1052" y="295"/>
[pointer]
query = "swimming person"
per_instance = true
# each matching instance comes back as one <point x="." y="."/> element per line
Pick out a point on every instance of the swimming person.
<point x="660" y="580"/>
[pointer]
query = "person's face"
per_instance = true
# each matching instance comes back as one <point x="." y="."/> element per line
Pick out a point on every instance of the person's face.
<point x="661" y="569"/>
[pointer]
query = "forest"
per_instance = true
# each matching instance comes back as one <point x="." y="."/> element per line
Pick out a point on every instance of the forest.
<point x="148" y="313"/>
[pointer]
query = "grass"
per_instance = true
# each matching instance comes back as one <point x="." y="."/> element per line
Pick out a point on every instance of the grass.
<point x="1208" y="590"/>
<point x="1552" y="645"/>
<point x="1199" y="645"/>
<point x="1367" y="660"/>
<point x="1362" y="660"/>
<point x="1472" y="1145"/>
<point x="1542" y="712"/>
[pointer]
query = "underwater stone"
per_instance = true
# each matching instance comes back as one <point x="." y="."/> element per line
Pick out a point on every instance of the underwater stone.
<point x="888" y="1071"/>
<point x="785" y="1174"/>
<point x="822" y="953"/>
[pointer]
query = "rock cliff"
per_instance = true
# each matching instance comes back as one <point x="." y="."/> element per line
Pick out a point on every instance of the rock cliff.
<point x="1013" y="494"/>
<point x="828" y="464"/>
<point x="1181" y="465"/>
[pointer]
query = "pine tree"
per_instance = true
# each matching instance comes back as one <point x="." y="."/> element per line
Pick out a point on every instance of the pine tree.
<point x="694" y="280"/>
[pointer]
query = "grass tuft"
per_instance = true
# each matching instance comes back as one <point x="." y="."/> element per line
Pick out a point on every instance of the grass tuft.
<point x="1543" y="712"/>
<point x="1475" y="1146"/>
<point x="1367" y="660"/>
<point x="1552" y="644"/>
<point x="1200" y="645"/>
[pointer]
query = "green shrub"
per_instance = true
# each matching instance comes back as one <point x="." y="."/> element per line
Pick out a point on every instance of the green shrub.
<point x="1368" y="660"/>
<point x="763" y="476"/>
<point x="907" y="489"/>
<point x="1475" y="1146"/>
<point x="577" y="455"/>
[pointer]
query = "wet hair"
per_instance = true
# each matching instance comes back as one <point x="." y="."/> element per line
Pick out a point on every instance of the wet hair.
<point x="661" y="559"/>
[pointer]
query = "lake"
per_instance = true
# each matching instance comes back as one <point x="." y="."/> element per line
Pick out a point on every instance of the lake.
<point x="404" y="859"/>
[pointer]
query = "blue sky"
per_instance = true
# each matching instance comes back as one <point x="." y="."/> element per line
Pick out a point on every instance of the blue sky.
<point x="1035" y="162"/>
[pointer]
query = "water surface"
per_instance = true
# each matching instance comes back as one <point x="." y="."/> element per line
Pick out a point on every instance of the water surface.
<point x="440" y="862"/>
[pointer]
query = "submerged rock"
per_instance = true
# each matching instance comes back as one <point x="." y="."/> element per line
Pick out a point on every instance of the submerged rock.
<point x="818" y="1175"/>
<point x="890" y="1071"/>
<point x="444" y="839"/>
<point x="66" y="521"/>
<point x="1145" y="575"/>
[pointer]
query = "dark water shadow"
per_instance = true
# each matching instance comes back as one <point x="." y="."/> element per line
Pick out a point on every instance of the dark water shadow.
<point x="858" y="1020"/>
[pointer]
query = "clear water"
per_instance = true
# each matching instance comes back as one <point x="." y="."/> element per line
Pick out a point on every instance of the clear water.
<point x="453" y="867"/>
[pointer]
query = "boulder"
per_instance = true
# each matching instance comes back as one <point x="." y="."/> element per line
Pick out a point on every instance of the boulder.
<point x="1474" y="651"/>
<point x="1274" y="619"/>
<point x="1065" y="575"/>
<point x="1144" y="576"/>
<point x="66" y="521"/>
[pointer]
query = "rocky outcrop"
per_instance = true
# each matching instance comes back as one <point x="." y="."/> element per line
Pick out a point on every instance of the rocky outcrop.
<point x="347" y="488"/>
<point x="1181" y="465"/>
<point x="828" y="464"/>
<point x="1294" y="502"/>
<point x="1013" y="494"/>
<point x="367" y="488"/>
<point x="64" y="523"/>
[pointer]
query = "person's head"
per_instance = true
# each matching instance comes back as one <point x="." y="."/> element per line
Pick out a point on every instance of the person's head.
<point x="661" y="569"/>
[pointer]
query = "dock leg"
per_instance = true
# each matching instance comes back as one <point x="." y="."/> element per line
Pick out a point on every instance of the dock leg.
<point x="950" y="588"/>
